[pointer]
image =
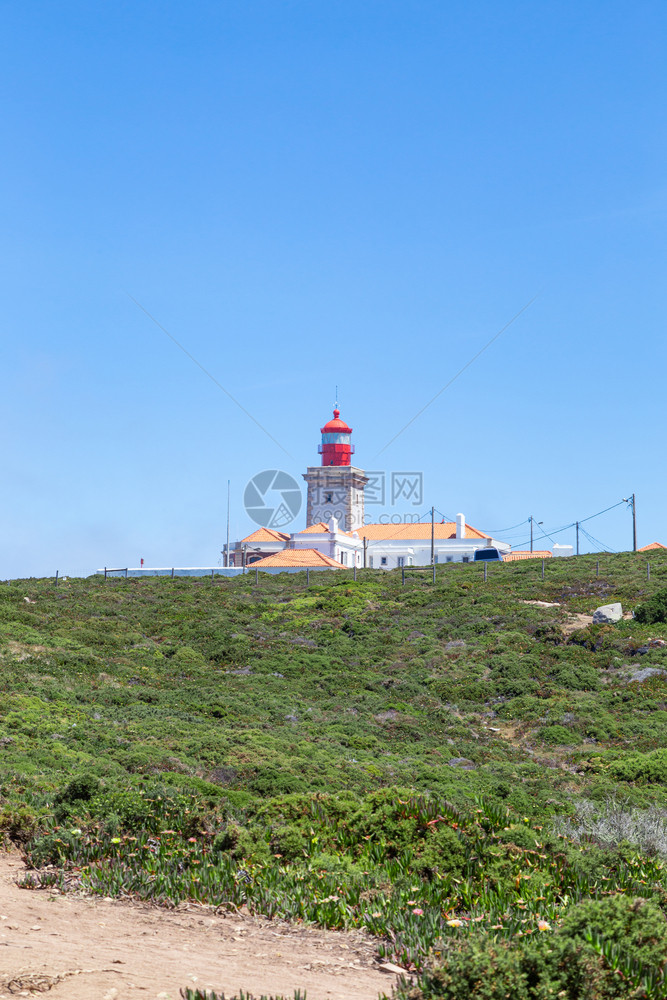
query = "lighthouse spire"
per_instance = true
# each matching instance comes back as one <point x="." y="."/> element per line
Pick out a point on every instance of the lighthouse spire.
<point x="336" y="487"/>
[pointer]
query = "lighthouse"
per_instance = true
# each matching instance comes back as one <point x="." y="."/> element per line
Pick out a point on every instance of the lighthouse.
<point x="336" y="487"/>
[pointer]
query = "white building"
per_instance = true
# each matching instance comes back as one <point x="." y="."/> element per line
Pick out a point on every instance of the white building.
<point x="389" y="546"/>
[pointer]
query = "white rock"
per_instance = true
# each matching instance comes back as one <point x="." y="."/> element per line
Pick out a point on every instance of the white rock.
<point x="607" y="613"/>
<point x="396" y="969"/>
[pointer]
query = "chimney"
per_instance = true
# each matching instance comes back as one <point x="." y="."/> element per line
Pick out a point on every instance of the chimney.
<point x="460" y="525"/>
<point x="333" y="525"/>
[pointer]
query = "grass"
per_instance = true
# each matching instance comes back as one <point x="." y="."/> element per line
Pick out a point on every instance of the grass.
<point x="427" y="762"/>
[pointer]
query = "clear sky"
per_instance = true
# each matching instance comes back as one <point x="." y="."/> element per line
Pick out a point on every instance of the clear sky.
<point x="308" y="194"/>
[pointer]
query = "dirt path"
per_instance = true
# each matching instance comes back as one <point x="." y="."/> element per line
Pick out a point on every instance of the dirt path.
<point x="79" y="948"/>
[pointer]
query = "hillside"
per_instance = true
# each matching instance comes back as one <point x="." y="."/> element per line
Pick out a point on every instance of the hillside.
<point x="356" y="754"/>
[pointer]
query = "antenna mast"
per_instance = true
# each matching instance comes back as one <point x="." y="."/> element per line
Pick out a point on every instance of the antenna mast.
<point x="227" y="546"/>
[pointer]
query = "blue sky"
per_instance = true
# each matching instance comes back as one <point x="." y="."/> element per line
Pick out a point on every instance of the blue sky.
<point x="307" y="194"/>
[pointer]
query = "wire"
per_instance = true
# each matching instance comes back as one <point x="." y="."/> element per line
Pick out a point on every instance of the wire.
<point x="459" y="372"/>
<point x="583" y="520"/>
<point x="566" y="527"/>
<point x="208" y="374"/>
<point x="447" y="517"/>
<point x="546" y="533"/>
<point x="558" y="531"/>
<point x="500" y="531"/>
<point x="595" y="541"/>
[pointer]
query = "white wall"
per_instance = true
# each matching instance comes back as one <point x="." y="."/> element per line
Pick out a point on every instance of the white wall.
<point x="419" y="552"/>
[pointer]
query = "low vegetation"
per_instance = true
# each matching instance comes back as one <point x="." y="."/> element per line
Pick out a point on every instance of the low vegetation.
<point x="475" y="779"/>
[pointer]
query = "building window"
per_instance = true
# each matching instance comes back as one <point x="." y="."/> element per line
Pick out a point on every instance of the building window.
<point x="343" y="558"/>
<point x="449" y="558"/>
<point x="466" y="559"/>
<point x="383" y="560"/>
<point x="400" y="561"/>
<point x="328" y="497"/>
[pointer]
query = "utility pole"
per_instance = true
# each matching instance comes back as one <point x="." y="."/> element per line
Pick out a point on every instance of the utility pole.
<point x="227" y="548"/>
<point x="531" y="519"/>
<point x="577" y="538"/>
<point x="432" y="536"/>
<point x="365" y="550"/>
<point x="634" y="524"/>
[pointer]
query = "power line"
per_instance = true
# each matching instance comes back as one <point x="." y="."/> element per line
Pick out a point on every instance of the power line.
<point x="566" y="527"/>
<point x="594" y="540"/>
<point x="581" y="521"/>
<point x="459" y="372"/>
<point x="208" y="374"/>
<point x="500" y="531"/>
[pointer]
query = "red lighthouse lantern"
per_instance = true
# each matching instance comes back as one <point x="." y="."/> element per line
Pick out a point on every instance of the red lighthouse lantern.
<point x="336" y="448"/>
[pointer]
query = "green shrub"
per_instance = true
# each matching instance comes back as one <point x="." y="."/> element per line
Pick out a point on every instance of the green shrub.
<point x="19" y="823"/>
<point x="637" y="926"/>
<point x="605" y="950"/>
<point x="271" y="780"/>
<point x="520" y="835"/>
<point x="557" y="736"/>
<point x="236" y="841"/>
<point x="643" y="767"/>
<point x="186" y="658"/>
<point x="654" y="610"/>
<point x="79" y="789"/>
<point x="576" y="677"/>
<point x="290" y="842"/>
<point x="442" y="852"/>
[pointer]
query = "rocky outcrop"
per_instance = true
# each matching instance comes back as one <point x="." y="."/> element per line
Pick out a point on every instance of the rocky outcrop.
<point x="607" y="613"/>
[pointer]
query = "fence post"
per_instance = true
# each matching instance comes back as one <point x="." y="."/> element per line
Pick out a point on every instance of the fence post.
<point x="212" y="576"/>
<point x="256" y="576"/>
<point x="307" y="576"/>
<point x="485" y="568"/>
<point x="105" y="572"/>
<point x="355" y="570"/>
<point x="433" y="572"/>
<point x="597" y="568"/>
<point x="648" y="571"/>
<point x="543" y="569"/>
<point x="56" y="583"/>
<point x="402" y="576"/>
<point x="172" y="572"/>
<point x="126" y="568"/>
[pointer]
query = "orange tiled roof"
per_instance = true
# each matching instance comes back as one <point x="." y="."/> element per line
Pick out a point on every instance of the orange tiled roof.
<point x="653" y="545"/>
<point x="405" y="532"/>
<point x="320" y="528"/>
<point x="266" y="535"/>
<point x="303" y="558"/>
<point x="537" y="554"/>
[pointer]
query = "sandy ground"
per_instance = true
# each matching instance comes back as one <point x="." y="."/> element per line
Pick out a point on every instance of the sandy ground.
<point x="79" y="948"/>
